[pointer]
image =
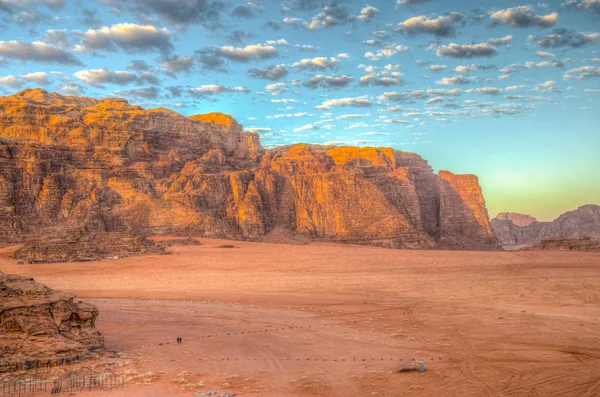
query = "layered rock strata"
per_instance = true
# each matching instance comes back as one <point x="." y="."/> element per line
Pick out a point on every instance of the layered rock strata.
<point x="80" y="247"/>
<point x="40" y="325"/>
<point x="584" y="244"/>
<point x="108" y="166"/>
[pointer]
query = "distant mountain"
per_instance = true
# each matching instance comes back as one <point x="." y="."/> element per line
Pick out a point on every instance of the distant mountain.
<point x="582" y="222"/>
<point x="521" y="220"/>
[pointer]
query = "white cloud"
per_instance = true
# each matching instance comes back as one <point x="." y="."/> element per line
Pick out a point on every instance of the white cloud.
<point x="307" y="127"/>
<point x="214" y="89"/>
<point x="129" y="37"/>
<point x="361" y="101"/>
<point x="386" y="52"/>
<point x="318" y="63"/>
<point x="522" y="17"/>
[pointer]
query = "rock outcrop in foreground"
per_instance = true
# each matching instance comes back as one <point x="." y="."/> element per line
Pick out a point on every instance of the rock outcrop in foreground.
<point x="37" y="323"/>
<point x="79" y="247"/>
<point x="580" y="223"/>
<point x="70" y="163"/>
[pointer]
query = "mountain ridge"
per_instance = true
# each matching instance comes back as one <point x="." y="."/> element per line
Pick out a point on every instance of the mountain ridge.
<point x="105" y="165"/>
<point x="581" y="222"/>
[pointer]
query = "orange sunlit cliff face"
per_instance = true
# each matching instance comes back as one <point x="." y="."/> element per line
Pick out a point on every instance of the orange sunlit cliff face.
<point x="72" y="163"/>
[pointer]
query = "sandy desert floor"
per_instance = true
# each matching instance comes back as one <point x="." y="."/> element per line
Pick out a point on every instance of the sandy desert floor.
<point x="337" y="320"/>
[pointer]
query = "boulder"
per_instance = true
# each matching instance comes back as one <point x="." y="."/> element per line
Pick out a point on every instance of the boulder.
<point x="44" y="326"/>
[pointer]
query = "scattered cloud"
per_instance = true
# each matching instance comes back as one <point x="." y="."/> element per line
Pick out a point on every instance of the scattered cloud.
<point x="506" y="40"/>
<point x="444" y="92"/>
<point x="41" y="78"/>
<point x="403" y="97"/>
<point x="329" y="16"/>
<point x="386" y="52"/>
<point x="328" y="81"/>
<point x="272" y="73"/>
<point x="582" y="73"/>
<point x="11" y="81"/>
<point x="568" y="38"/>
<point x="361" y="101"/>
<point x="442" y="26"/>
<point x="523" y="17"/>
<point x="435" y="100"/>
<point x="179" y="13"/>
<point x="129" y="37"/>
<point x="99" y="77"/>
<point x="466" y="51"/>
<point x="318" y="63"/>
<point x="216" y="89"/>
<point x="37" y="52"/>
<point x="247" y="53"/>
<point x="543" y="54"/>
<point x="412" y="2"/>
<point x="588" y="5"/>
<point x="308" y="127"/>
<point x="277" y="88"/>
<point x="437" y="68"/>
<point x="454" y="80"/>
<point x="485" y="90"/>
<point x="380" y="81"/>
<point x="367" y="13"/>
<point x="177" y="64"/>
<point x="143" y="93"/>
<point x="247" y="10"/>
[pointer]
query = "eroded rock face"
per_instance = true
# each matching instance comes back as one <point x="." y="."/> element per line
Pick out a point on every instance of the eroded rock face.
<point x="584" y="244"/>
<point x="580" y="223"/>
<point x="107" y="166"/>
<point x="37" y="323"/>
<point x="78" y="247"/>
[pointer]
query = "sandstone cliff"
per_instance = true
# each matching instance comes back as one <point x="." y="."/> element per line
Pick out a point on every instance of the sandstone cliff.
<point x="69" y="163"/>
<point x="37" y="323"/>
<point x="576" y="224"/>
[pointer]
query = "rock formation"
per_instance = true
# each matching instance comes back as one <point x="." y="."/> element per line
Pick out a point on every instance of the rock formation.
<point x="78" y="247"/>
<point x="576" y="224"/>
<point x="38" y="324"/>
<point x="70" y="163"/>
<point x="584" y="244"/>
<point x="520" y="220"/>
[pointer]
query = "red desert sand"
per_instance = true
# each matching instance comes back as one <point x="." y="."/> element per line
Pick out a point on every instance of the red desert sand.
<point x="337" y="320"/>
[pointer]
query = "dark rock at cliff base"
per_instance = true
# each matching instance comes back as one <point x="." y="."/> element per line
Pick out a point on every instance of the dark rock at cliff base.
<point x="585" y="244"/>
<point x="80" y="247"/>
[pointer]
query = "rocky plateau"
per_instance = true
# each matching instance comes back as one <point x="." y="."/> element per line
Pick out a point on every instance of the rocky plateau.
<point x="87" y="166"/>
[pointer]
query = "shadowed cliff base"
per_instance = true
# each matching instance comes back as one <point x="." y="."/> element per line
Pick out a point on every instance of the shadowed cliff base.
<point x="70" y="163"/>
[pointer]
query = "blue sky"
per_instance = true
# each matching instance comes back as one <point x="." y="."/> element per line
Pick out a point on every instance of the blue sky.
<point x="506" y="90"/>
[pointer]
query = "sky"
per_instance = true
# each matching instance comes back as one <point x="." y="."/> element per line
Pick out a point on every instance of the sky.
<point x="506" y="90"/>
